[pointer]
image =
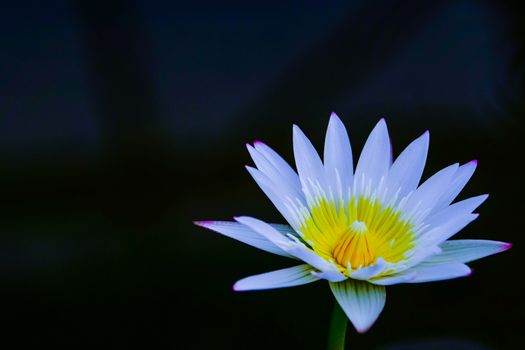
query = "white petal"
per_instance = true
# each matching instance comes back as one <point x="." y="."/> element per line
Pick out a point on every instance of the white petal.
<point x="246" y="235"/>
<point x="405" y="173"/>
<point x="332" y="275"/>
<point x="277" y="170"/>
<point x="278" y="195"/>
<point x="375" y="159"/>
<point x="459" y="180"/>
<point x="338" y="161"/>
<point x="307" y="159"/>
<point x="428" y="194"/>
<point x="465" y="250"/>
<point x="278" y="162"/>
<point x="430" y="272"/>
<point x="361" y="301"/>
<point x="365" y="273"/>
<point x="294" y="247"/>
<point x="265" y="230"/>
<point x="426" y="272"/>
<point x="289" y="277"/>
<point x="285" y="230"/>
<point x="443" y="232"/>
<point x="455" y="210"/>
<point x="327" y="271"/>
<point x="402" y="277"/>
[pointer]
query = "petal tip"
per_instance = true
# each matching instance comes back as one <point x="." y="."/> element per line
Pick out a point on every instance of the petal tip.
<point x="334" y="117"/>
<point x="202" y="223"/>
<point x="469" y="274"/>
<point x="474" y="162"/>
<point x="362" y="330"/>
<point x="506" y="246"/>
<point x="381" y="125"/>
<point x="236" y="288"/>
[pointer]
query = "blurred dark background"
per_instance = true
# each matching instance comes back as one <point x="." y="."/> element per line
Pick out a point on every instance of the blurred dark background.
<point x="123" y="121"/>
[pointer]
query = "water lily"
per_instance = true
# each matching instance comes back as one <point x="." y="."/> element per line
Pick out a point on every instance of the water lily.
<point x="360" y="229"/>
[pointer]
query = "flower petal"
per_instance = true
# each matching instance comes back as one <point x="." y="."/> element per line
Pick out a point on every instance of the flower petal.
<point x="466" y="250"/>
<point x="338" y="162"/>
<point x="361" y="301"/>
<point x="466" y="206"/>
<point x="328" y="271"/>
<point x="289" y="277"/>
<point x="294" y="247"/>
<point x="307" y="159"/>
<point x="394" y="279"/>
<point x="425" y="272"/>
<point x="277" y="172"/>
<point x="405" y="173"/>
<point x="278" y="162"/>
<point x="448" y="229"/>
<point x="279" y="195"/>
<point x="368" y="272"/>
<point x="430" y="272"/>
<point x="246" y="235"/>
<point x="421" y="202"/>
<point x="375" y="159"/>
<point x="459" y="180"/>
<point x="266" y="231"/>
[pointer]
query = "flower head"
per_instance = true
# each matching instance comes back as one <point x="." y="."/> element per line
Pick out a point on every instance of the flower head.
<point x="361" y="229"/>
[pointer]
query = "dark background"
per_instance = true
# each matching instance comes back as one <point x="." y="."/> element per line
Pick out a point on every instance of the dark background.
<point x="121" y="122"/>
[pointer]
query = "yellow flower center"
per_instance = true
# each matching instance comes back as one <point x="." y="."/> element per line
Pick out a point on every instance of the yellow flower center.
<point x="357" y="234"/>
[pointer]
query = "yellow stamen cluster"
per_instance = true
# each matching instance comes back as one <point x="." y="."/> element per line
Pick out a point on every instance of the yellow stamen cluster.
<point x="357" y="234"/>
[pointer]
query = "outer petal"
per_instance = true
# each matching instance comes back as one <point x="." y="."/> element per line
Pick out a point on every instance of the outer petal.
<point x="277" y="173"/>
<point x="361" y="301"/>
<point x="405" y="173"/>
<point x="280" y="196"/>
<point x="394" y="279"/>
<point x="430" y="272"/>
<point x="338" y="162"/>
<point x="294" y="247"/>
<point x="465" y="250"/>
<point x="246" y="235"/>
<point x="426" y="272"/>
<point x="307" y="159"/>
<point x="289" y="277"/>
<point x="427" y="195"/>
<point x="375" y="159"/>
<point x="279" y="163"/>
<point x="443" y="232"/>
<point x="459" y="180"/>
<point x="455" y="210"/>
<point x="266" y="231"/>
<point x="328" y="271"/>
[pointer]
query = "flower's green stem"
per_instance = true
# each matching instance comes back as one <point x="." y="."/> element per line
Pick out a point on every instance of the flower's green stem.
<point x="337" y="332"/>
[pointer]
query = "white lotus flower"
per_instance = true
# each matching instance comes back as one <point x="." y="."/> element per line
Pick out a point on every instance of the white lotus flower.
<point x="361" y="229"/>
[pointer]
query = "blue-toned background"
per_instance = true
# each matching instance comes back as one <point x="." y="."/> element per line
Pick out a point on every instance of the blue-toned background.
<point x="123" y="121"/>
